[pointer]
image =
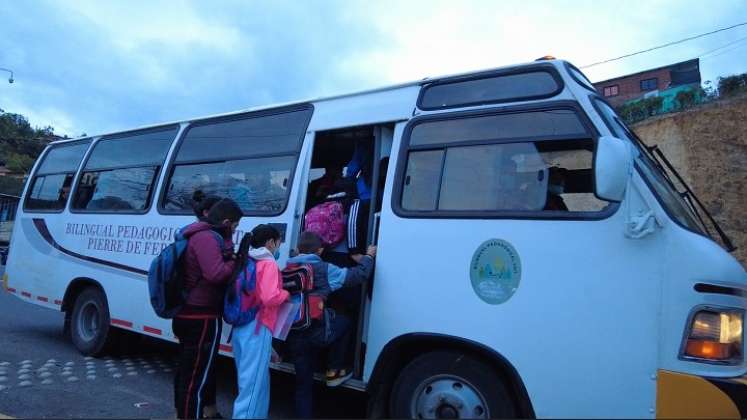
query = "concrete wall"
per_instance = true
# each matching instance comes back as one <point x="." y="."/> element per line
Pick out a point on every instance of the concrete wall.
<point x="708" y="146"/>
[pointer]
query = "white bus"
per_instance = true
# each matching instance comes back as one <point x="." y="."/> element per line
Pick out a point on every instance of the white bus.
<point x="535" y="258"/>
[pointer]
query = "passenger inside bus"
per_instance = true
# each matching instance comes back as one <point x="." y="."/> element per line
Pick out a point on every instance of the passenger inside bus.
<point x="346" y="158"/>
<point x="555" y="187"/>
<point x="320" y="188"/>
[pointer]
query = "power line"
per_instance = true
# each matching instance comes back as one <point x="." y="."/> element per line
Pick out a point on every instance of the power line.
<point x="664" y="45"/>
<point x="736" y="47"/>
<point x="723" y="46"/>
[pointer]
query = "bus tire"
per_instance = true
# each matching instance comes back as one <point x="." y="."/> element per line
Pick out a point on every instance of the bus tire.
<point x="448" y="384"/>
<point x="90" y="330"/>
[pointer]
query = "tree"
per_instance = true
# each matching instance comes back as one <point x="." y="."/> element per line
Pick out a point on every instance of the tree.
<point x="19" y="163"/>
<point x="20" y="145"/>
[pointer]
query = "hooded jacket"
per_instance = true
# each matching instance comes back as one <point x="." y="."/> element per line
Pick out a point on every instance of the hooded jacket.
<point x="206" y="271"/>
<point x="269" y="287"/>
<point x="329" y="277"/>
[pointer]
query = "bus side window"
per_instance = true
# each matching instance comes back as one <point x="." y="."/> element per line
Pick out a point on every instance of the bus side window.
<point x="550" y="171"/>
<point x="120" y="172"/>
<point x="50" y="186"/>
<point x="248" y="159"/>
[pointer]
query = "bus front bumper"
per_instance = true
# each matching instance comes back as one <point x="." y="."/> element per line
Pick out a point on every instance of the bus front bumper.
<point x="680" y="395"/>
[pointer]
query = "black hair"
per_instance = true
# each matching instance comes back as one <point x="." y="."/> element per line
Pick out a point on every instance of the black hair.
<point x="242" y="258"/>
<point x="202" y="202"/>
<point x="263" y="233"/>
<point x="225" y="209"/>
<point x="309" y="243"/>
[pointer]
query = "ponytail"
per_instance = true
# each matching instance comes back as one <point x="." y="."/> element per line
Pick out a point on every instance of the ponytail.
<point x="242" y="258"/>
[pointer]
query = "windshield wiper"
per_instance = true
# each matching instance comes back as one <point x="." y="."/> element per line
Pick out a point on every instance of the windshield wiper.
<point x="690" y="196"/>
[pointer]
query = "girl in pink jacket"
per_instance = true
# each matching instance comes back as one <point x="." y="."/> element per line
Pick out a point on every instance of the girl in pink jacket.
<point x="252" y="343"/>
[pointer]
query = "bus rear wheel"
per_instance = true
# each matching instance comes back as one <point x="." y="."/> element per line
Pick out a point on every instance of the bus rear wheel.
<point x="90" y="331"/>
<point x="447" y="384"/>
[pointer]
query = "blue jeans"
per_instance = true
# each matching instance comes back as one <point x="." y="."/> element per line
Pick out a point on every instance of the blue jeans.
<point x="304" y="346"/>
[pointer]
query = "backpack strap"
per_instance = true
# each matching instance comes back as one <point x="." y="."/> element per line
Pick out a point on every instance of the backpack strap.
<point x="218" y="237"/>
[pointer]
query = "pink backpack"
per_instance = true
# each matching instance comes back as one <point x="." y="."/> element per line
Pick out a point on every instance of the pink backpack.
<point x="328" y="221"/>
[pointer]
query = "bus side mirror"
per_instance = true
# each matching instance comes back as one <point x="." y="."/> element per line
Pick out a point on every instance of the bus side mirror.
<point x="613" y="165"/>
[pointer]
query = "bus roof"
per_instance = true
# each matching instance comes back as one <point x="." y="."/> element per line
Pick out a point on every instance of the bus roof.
<point x="423" y="81"/>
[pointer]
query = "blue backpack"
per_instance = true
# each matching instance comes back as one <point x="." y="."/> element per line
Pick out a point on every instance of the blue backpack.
<point x="166" y="279"/>
<point x="241" y="304"/>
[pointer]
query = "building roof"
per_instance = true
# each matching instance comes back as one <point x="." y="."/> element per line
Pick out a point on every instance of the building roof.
<point x="681" y="63"/>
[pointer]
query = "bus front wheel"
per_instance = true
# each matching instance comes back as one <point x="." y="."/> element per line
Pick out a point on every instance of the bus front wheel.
<point x="446" y="384"/>
<point x="90" y="331"/>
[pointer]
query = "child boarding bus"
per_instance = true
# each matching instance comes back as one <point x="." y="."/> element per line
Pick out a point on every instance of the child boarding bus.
<point x="535" y="258"/>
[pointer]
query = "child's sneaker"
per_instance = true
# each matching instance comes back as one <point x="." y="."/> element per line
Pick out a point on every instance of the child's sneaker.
<point x="336" y="377"/>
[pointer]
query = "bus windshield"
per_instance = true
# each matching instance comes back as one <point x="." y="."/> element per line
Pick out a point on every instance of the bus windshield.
<point x="680" y="206"/>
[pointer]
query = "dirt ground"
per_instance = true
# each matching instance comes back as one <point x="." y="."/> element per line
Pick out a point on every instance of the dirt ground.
<point x="708" y="146"/>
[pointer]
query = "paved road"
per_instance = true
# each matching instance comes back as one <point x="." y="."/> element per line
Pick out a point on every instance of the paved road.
<point x="42" y="375"/>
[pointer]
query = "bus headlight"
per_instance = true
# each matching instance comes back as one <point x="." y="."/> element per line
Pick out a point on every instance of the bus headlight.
<point x="715" y="335"/>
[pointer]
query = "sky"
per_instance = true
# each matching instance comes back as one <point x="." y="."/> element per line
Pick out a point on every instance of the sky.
<point x="90" y="66"/>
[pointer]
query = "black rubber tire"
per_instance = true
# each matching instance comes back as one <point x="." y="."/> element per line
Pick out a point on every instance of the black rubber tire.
<point x="474" y="371"/>
<point x="96" y="343"/>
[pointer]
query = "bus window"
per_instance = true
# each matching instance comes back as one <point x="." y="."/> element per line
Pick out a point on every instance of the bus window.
<point x="51" y="184"/>
<point x="120" y="172"/>
<point x="512" y="86"/>
<point x="249" y="159"/>
<point x="422" y="169"/>
<point x="533" y="175"/>
<point x="257" y="185"/>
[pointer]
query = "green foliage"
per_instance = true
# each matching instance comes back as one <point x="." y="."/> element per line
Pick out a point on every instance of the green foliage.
<point x="635" y="111"/>
<point x="20" y="145"/>
<point x="18" y="163"/>
<point x="732" y="85"/>
<point x="686" y="98"/>
<point x="11" y="185"/>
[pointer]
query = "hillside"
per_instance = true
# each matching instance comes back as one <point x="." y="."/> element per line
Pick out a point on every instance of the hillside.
<point x="708" y="146"/>
<point x="20" y="145"/>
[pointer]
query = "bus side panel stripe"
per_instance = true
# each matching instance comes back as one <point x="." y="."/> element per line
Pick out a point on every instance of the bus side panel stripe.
<point x="121" y="323"/>
<point x="151" y="330"/>
<point x="41" y="226"/>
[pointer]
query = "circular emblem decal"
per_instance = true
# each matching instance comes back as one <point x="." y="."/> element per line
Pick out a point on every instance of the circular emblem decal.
<point x="495" y="271"/>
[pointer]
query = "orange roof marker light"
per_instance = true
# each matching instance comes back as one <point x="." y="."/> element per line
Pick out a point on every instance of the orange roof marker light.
<point x="546" y="57"/>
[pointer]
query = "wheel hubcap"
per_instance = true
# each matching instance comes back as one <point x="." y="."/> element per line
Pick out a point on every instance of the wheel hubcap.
<point x="88" y="321"/>
<point x="448" y="397"/>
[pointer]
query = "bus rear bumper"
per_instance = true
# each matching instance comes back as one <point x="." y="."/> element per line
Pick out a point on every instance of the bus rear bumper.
<point x="680" y="395"/>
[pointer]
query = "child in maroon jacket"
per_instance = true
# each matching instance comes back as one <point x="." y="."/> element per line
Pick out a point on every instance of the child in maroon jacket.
<point x="208" y="265"/>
